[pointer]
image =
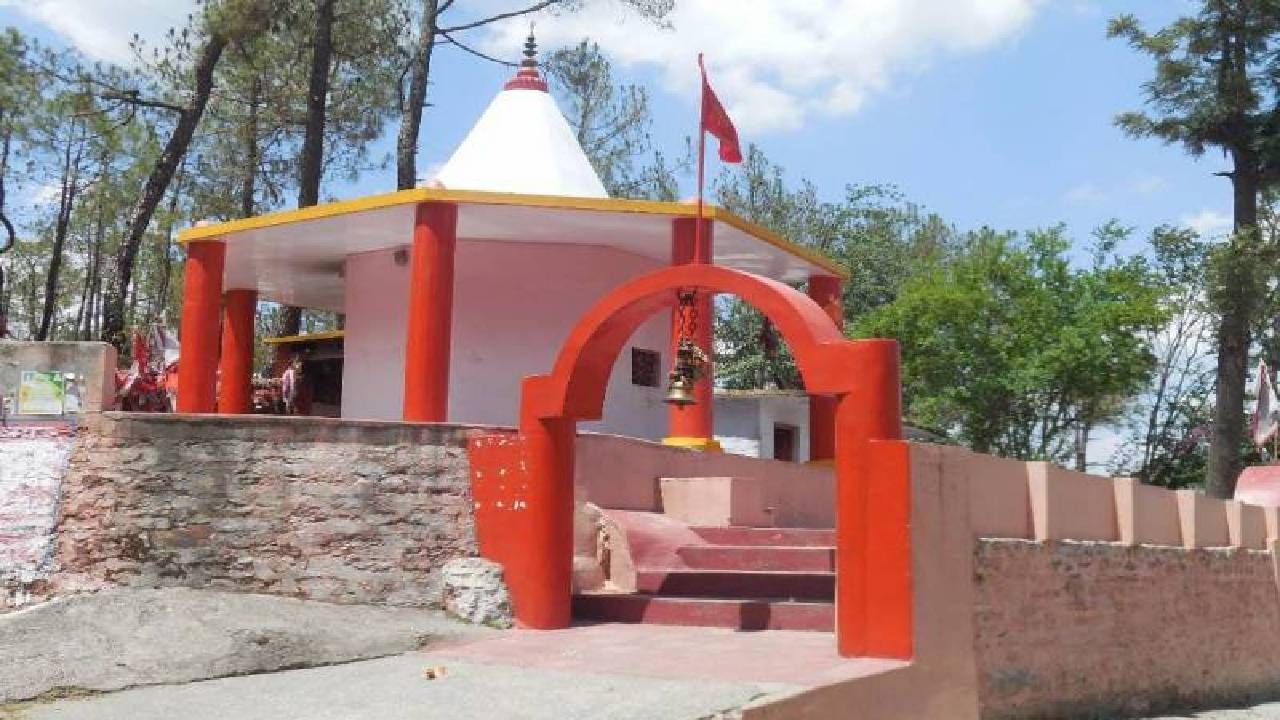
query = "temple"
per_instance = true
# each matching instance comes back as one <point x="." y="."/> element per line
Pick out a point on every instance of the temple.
<point x="454" y="292"/>
<point x="492" y="316"/>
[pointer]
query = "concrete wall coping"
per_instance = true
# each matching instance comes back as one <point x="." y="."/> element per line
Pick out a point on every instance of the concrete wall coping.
<point x="1063" y="504"/>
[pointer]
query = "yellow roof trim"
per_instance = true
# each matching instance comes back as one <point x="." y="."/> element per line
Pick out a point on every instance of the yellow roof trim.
<point x="308" y="337"/>
<point x="476" y="197"/>
<point x="776" y="240"/>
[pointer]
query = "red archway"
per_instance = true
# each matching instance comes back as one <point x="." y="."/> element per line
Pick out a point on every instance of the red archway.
<point x="873" y="557"/>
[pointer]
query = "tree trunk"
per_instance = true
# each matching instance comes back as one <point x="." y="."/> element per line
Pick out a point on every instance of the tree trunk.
<point x="311" y="162"/>
<point x="154" y="189"/>
<point x="1082" y="446"/>
<point x="66" y="202"/>
<point x="85" y="314"/>
<point x="165" y="246"/>
<point x="411" y="114"/>
<point x="1233" y="341"/>
<point x="10" y="235"/>
<point x="248" y="183"/>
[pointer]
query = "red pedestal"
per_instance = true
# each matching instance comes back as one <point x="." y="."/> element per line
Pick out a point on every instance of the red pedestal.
<point x="828" y="292"/>
<point x="426" y="367"/>
<point x="235" y="391"/>
<point x="201" y="315"/>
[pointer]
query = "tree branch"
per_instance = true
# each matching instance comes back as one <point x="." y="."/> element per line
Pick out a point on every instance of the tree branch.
<point x="449" y="38"/>
<point x="133" y="97"/>
<point x="542" y="5"/>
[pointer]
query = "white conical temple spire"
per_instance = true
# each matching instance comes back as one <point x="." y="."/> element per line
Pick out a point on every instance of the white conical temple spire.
<point x="522" y="144"/>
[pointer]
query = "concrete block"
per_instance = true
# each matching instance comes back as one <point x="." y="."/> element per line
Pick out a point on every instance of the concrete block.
<point x="474" y="590"/>
<point x="1246" y="525"/>
<point x="1067" y="505"/>
<point x="93" y="364"/>
<point x="715" y="501"/>
<point x="1272" y="517"/>
<point x="1146" y="515"/>
<point x="999" y="498"/>
<point x="1204" y="520"/>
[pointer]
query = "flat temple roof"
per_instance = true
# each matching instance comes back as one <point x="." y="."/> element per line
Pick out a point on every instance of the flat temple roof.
<point x="296" y="256"/>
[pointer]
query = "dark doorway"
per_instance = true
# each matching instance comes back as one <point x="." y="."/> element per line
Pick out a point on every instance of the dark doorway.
<point x="784" y="442"/>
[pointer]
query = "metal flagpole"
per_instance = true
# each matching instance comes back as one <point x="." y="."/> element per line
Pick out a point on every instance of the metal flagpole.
<point x="702" y="148"/>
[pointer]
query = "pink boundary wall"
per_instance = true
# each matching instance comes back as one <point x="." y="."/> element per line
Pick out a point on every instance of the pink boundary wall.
<point x="1042" y="592"/>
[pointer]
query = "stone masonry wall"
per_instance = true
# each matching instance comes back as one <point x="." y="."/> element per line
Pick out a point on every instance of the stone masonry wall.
<point x="1096" y="629"/>
<point x="339" y="511"/>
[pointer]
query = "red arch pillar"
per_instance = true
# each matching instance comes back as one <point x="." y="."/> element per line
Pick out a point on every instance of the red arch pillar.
<point x="235" y="391"/>
<point x="430" y="331"/>
<point x="201" y="309"/>
<point x="828" y="292"/>
<point x="539" y="568"/>
<point x="693" y="426"/>
<point x="873" y="509"/>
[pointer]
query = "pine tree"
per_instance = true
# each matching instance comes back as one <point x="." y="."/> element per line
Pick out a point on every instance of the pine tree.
<point x="1214" y="88"/>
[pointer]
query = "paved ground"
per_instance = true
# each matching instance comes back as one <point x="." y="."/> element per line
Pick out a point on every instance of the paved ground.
<point x="1270" y="711"/>
<point x="162" y="640"/>
<point x="609" y="672"/>
<point x="394" y="689"/>
<point x="117" y="639"/>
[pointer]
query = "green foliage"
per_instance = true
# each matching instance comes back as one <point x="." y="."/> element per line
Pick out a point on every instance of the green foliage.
<point x="1166" y="428"/>
<point x="1010" y="349"/>
<point x="1213" y="84"/>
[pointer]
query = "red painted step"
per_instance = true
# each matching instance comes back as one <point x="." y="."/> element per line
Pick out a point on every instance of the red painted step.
<point x="761" y="614"/>
<point x="741" y="557"/>
<point x="738" y="583"/>
<point x="766" y="536"/>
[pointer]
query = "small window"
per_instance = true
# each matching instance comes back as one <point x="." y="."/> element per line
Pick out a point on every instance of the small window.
<point x="644" y="367"/>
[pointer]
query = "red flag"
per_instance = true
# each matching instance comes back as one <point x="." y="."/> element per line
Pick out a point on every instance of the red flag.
<point x="716" y="121"/>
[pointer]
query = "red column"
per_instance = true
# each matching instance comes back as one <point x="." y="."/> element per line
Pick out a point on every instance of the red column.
<point x="873" y="510"/>
<point x="426" y="366"/>
<point x="692" y="426"/>
<point x="201" y="307"/>
<point x="235" y="390"/>
<point x="828" y="292"/>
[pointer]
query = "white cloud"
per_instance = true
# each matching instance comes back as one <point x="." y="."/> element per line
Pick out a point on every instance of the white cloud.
<point x="1209" y="223"/>
<point x="102" y="29"/>
<point x="777" y="64"/>
<point x="1149" y="184"/>
<point x="1084" y="194"/>
<point x="45" y="195"/>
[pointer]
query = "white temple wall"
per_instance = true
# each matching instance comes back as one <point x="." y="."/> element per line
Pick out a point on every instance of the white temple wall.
<point x="744" y="422"/>
<point x="514" y="304"/>
<point x="377" y="305"/>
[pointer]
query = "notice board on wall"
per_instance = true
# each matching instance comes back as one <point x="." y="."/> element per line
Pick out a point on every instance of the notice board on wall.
<point x="41" y="393"/>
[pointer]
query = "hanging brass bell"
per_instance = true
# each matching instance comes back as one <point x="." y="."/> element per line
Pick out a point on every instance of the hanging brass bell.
<point x="680" y="390"/>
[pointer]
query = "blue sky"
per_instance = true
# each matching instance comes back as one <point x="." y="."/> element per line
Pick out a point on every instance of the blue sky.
<point x="1006" y="122"/>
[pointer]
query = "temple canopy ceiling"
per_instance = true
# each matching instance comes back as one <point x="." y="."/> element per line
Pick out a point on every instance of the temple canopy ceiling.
<point x="297" y="256"/>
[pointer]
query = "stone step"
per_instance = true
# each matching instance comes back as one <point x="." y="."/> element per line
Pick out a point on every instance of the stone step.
<point x="740" y="614"/>
<point x="742" y="557"/>
<point x="767" y="536"/>
<point x="738" y="584"/>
